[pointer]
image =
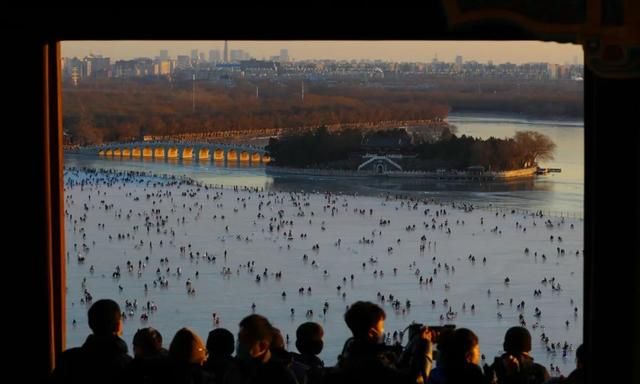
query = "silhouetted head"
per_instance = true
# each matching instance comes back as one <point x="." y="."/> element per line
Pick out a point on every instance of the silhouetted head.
<point x="366" y="321"/>
<point x="277" y="341"/>
<point x="147" y="342"/>
<point x="255" y="337"/>
<point x="517" y="340"/>
<point x="458" y="348"/>
<point x="309" y="338"/>
<point x="187" y="347"/>
<point x="105" y="318"/>
<point x="581" y="356"/>
<point x="220" y="342"/>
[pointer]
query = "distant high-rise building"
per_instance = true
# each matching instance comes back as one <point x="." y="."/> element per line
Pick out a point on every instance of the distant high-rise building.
<point x="194" y="57"/>
<point x="202" y="57"/>
<point x="214" y="55"/>
<point x="458" y="63"/>
<point x="164" y="54"/>
<point x="183" y="61"/>
<point x="164" y="68"/>
<point x="75" y="74"/>
<point x="96" y="66"/>
<point x="73" y="69"/>
<point x="226" y="52"/>
<point x="553" y="71"/>
<point x="284" y="55"/>
<point x="238" y="54"/>
<point x="139" y="67"/>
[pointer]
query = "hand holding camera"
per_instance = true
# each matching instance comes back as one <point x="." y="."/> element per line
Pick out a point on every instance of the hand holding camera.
<point x="436" y="332"/>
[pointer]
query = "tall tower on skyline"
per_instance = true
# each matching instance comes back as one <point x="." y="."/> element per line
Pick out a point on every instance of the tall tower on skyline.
<point x="226" y="52"/>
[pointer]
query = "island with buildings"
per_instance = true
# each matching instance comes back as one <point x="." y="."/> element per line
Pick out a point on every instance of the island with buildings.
<point x="414" y="152"/>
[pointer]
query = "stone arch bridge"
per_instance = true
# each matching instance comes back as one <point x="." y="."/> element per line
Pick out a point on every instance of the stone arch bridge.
<point x="184" y="151"/>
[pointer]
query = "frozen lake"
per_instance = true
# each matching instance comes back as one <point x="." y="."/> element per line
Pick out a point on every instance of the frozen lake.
<point x="112" y="206"/>
<point x="556" y="193"/>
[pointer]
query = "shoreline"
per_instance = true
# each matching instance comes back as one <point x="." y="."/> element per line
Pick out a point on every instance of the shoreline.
<point x="164" y="177"/>
<point x="515" y="118"/>
<point x="274" y="170"/>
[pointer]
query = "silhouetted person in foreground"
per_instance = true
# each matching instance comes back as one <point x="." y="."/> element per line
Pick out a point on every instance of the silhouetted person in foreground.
<point x="255" y="363"/>
<point x="220" y="345"/>
<point x="515" y="366"/>
<point x="577" y="375"/>
<point x="365" y="357"/>
<point x="103" y="357"/>
<point x="150" y="360"/>
<point x="309" y="343"/>
<point x="187" y="354"/>
<point x="459" y="361"/>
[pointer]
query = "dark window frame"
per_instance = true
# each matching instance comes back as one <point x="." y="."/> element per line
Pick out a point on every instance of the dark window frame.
<point x="605" y="107"/>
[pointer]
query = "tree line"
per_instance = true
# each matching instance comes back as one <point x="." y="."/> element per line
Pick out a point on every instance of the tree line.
<point x="528" y="98"/>
<point x="120" y="111"/>
<point x="523" y="150"/>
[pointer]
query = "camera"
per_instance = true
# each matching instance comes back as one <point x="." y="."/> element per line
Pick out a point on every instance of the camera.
<point x="417" y="348"/>
<point x="416" y="329"/>
<point x="439" y="331"/>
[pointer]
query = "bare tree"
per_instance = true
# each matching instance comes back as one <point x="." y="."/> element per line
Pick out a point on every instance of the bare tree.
<point x="534" y="146"/>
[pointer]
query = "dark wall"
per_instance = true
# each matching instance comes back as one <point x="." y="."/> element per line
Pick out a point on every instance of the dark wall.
<point x="612" y="214"/>
<point x="26" y="309"/>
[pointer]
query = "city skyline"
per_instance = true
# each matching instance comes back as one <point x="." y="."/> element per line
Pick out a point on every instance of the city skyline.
<point x="517" y="52"/>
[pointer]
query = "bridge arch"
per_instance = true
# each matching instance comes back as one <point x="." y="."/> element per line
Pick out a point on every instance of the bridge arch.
<point x="147" y="152"/>
<point x="255" y="157"/>
<point x="266" y="158"/>
<point x="117" y="152"/>
<point x="232" y="155"/>
<point x="136" y="152"/>
<point x="218" y="154"/>
<point x="203" y="153"/>
<point x="187" y="153"/>
<point x="126" y="152"/>
<point x="158" y="153"/>
<point x="244" y="156"/>
<point x="380" y="164"/>
<point x="173" y="153"/>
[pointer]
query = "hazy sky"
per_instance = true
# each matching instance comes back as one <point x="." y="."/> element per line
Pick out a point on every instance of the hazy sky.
<point x="420" y="51"/>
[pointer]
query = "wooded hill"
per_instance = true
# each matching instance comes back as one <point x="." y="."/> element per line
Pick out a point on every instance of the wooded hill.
<point x="119" y="110"/>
